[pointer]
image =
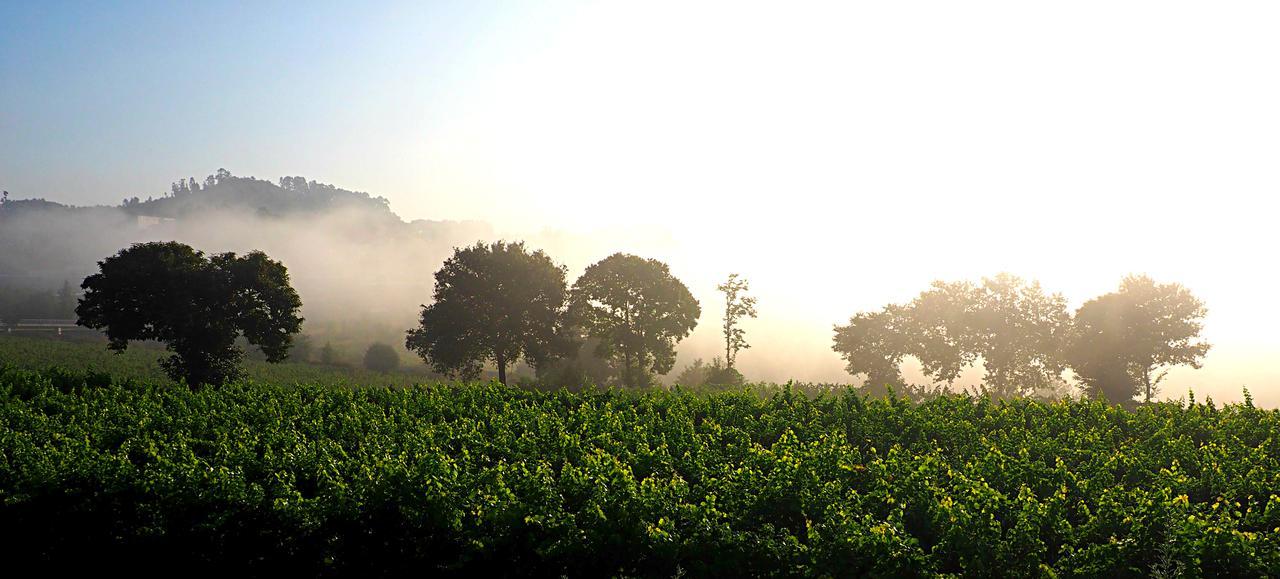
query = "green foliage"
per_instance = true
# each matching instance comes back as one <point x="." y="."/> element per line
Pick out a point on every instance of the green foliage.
<point x="18" y="303"/>
<point x="637" y="310"/>
<point x="1025" y="339"/>
<point x="716" y="375"/>
<point x="481" y="479"/>
<point x="496" y="302"/>
<point x="197" y="306"/>
<point x="329" y="355"/>
<point x="302" y="348"/>
<point x="381" y="358"/>
<point x="1013" y="327"/>
<point x="873" y="344"/>
<point x="737" y="305"/>
<point x="583" y="369"/>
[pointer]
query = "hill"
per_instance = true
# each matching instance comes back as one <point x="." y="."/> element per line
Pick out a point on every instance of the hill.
<point x="224" y="191"/>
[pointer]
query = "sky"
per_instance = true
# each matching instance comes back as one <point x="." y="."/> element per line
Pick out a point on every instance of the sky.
<point x="840" y="155"/>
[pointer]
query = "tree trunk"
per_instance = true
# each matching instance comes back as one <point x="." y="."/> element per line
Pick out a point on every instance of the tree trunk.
<point x="502" y="369"/>
<point x="728" y="331"/>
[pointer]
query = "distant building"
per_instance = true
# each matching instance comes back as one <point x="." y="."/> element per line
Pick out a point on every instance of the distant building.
<point x="147" y="221"/>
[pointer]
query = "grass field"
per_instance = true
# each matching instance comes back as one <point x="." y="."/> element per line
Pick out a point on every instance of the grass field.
<point x="139" y="362"/>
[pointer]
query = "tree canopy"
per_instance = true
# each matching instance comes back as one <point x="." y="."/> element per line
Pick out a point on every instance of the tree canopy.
<point x="638" y="310"/>
<point x="492" y="303"/>
<point x="196" y="306"/>
<point x="1017" y="330"/>
<point x="700" y="375"/>
<point x="1122" y="340"/>
<point x="1013" y="327"/>
<point x="873" y="344"/>
<point x="381" y="358"/>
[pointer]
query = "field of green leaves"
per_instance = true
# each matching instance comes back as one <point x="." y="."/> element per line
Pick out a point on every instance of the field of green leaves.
<point x="484" y="479"/>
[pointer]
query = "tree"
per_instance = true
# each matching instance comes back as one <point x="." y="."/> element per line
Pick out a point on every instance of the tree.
<point x="1012" y="326"/>
<point x="934" y="328"/>
<point x="197" y="306"/>
<point x="301" y="349"/>
<point x="638" y="310"/>
<point x="582" y="368"/>
<point x="329" y="355"/>
<point x="873" y="343"/>
<point x="66" y="301"/>
<point x="1096" y="352"/>
<point x="736" y="306"/>
<point x="1018" y="331"/>
<point x="381" y="358"/>
<point x="1122" y="342"/>
<point x="496" y="302"/>
<point x="700" y="374"/>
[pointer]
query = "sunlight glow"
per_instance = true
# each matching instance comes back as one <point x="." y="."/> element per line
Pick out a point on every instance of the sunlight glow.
<point x="842" y="156"/>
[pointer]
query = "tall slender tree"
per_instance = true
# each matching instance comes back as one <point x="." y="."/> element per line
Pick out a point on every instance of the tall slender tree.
<point x="66" y="301"/>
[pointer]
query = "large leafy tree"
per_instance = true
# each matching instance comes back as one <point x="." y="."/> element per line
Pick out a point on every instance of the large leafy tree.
<point x="1018" y="331"/>
<point x="873" y="344"/>
<point x="936" y="329"/>
<point x="496" y="303"/>
<point x="197" y="306"/>
<point x="1124" y="342"/>
<point x="737" y="305"/>
<point x="1012" y="326"/>
<point x="637" y="310"/>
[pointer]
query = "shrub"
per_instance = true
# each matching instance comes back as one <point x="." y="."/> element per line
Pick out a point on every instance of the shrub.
<point x="381" y="358"/>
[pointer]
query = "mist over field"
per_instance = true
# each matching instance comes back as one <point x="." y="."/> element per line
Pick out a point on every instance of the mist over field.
<point x="362" y="272"/>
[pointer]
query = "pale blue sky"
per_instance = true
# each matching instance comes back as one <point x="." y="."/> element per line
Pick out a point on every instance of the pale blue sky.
<point x="104" y="99"/>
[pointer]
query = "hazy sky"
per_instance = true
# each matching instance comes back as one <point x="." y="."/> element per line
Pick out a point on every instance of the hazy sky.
<point x="840" y="154"/>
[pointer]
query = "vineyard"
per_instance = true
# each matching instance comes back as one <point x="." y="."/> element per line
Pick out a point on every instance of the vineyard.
<point x="464" y="480"/>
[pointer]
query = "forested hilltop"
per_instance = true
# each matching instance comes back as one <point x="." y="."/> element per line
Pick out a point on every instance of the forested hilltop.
<point x="222" y="190"/>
